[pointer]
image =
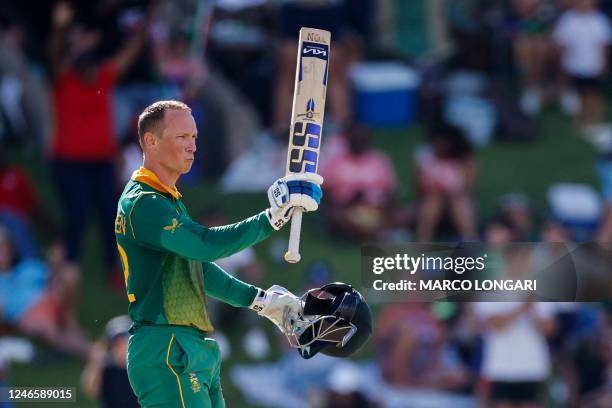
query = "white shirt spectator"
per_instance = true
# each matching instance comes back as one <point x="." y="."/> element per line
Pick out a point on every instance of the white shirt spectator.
<point x="517" y="351"/>
<point x="584" y="37"/>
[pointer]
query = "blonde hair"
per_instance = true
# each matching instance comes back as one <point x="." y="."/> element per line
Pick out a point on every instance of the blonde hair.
<point x="152" y="117"/>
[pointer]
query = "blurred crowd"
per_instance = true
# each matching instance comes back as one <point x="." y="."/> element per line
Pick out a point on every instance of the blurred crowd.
<point x="74" y="75"/>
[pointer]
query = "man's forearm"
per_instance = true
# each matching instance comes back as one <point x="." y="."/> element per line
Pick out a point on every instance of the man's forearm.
<point x="230" y="239"/>
<point x="221" y="285"/>
<point x="157" y="225"/>
<point x="58" y="52"/>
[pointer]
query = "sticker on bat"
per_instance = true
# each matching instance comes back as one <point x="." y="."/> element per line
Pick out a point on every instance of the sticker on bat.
<point x="305" y="136"/>
<point x="310" y="49"/>
<point x="310" y="113"/>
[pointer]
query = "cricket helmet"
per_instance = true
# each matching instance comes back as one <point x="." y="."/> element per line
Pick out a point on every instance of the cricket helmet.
<point x="336" y="321"/>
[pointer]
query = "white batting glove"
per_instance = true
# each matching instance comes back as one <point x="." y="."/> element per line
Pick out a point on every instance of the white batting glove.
<point x="278" y="305"/>
<point x="292" y="191"/>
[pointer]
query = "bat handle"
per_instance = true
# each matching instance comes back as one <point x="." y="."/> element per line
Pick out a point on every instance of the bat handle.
<point x="293" y="252"/>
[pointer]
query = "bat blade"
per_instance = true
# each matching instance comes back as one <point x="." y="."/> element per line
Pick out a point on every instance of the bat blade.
<point x="306" y="129"/>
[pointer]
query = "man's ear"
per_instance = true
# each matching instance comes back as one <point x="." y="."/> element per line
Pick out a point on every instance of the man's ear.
<point x="150" y="140"/>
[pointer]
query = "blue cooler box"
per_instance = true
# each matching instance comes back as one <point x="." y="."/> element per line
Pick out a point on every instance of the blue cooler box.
<point x="385" y="94"/>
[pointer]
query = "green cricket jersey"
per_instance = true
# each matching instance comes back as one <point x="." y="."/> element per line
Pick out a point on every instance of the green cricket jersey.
<point x="167" y="257"/>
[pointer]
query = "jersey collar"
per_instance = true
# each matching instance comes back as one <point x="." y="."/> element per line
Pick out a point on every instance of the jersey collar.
<point x="149" y="178"/>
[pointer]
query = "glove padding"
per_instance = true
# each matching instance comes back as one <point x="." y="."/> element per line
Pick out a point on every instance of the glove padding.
<point x="278" y="305"/>
<point x="295" y="190"/>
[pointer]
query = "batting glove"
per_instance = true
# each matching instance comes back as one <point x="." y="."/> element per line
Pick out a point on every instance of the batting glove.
<point x="292" y="191"/>
<point x="278" y="305"/>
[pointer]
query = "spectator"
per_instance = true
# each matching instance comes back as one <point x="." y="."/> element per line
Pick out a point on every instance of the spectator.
<point x="414" y="349"/>
<point x="604" y="171"/>
<point x="361" y="183"/>
<point x="593" y="366"/>
<point x="20" y="208"/>
<point x="516" y="358"/>
<point x="40" y="299"/>
<point x="105" y="376"/>
<point x="446" y="174"/>
<point x="83" y="148"/>
<point x="345" y="389"/>
<point x="515" y="207"/>
<point x="552" y="255"/>
<point x="553" y="251"/>
<point x="583" y="35"/>
<point x="25" y="111"/>
<point x="179" y="66"/>
<point x="138" y="86"/>
<point x="533" y="49"/>
<point x="554" y="232"/>
<point x="498" y="232"/>
<point x="17" y="194"/>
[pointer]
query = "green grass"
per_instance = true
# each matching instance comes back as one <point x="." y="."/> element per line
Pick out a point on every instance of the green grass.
<point x="558" y="155"/>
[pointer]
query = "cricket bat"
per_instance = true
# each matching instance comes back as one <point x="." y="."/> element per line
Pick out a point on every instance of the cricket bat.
<point x="307" y="117"/>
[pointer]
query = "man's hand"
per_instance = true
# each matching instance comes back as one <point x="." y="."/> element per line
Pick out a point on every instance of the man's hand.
<point x="62" y="14"/>
<point x="295" y="190"/>
<point x="278" y="305"/>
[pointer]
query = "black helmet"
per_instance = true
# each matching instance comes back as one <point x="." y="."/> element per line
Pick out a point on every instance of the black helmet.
<point x="336" y="321"/>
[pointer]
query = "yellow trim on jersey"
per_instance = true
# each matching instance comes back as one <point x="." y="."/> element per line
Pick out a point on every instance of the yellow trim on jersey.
<point x="126" y="270"/>
<point x="178" y="380"/>
<point x="144" y="193"/>
<point x="146" y="176"/>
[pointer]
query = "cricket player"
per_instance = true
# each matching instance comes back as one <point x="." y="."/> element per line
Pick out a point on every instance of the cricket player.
<point x="168" y="265"/>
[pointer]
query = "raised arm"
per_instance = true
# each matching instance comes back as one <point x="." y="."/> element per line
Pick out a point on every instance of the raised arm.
<point x="127" y="55"/>
<point x="138" y="36"/>
<point x="59" y="54"/>
<point x="155" y="223"/>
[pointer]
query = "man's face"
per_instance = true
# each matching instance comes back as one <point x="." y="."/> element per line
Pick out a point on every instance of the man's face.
<point x="176" y="147"/>
<point x="119" y="351"/>
<point x="498" y="236"/>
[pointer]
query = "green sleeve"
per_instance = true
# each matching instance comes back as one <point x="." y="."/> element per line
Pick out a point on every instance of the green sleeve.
<point x="223" y="286"/>
<point x="155" y="223"/>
